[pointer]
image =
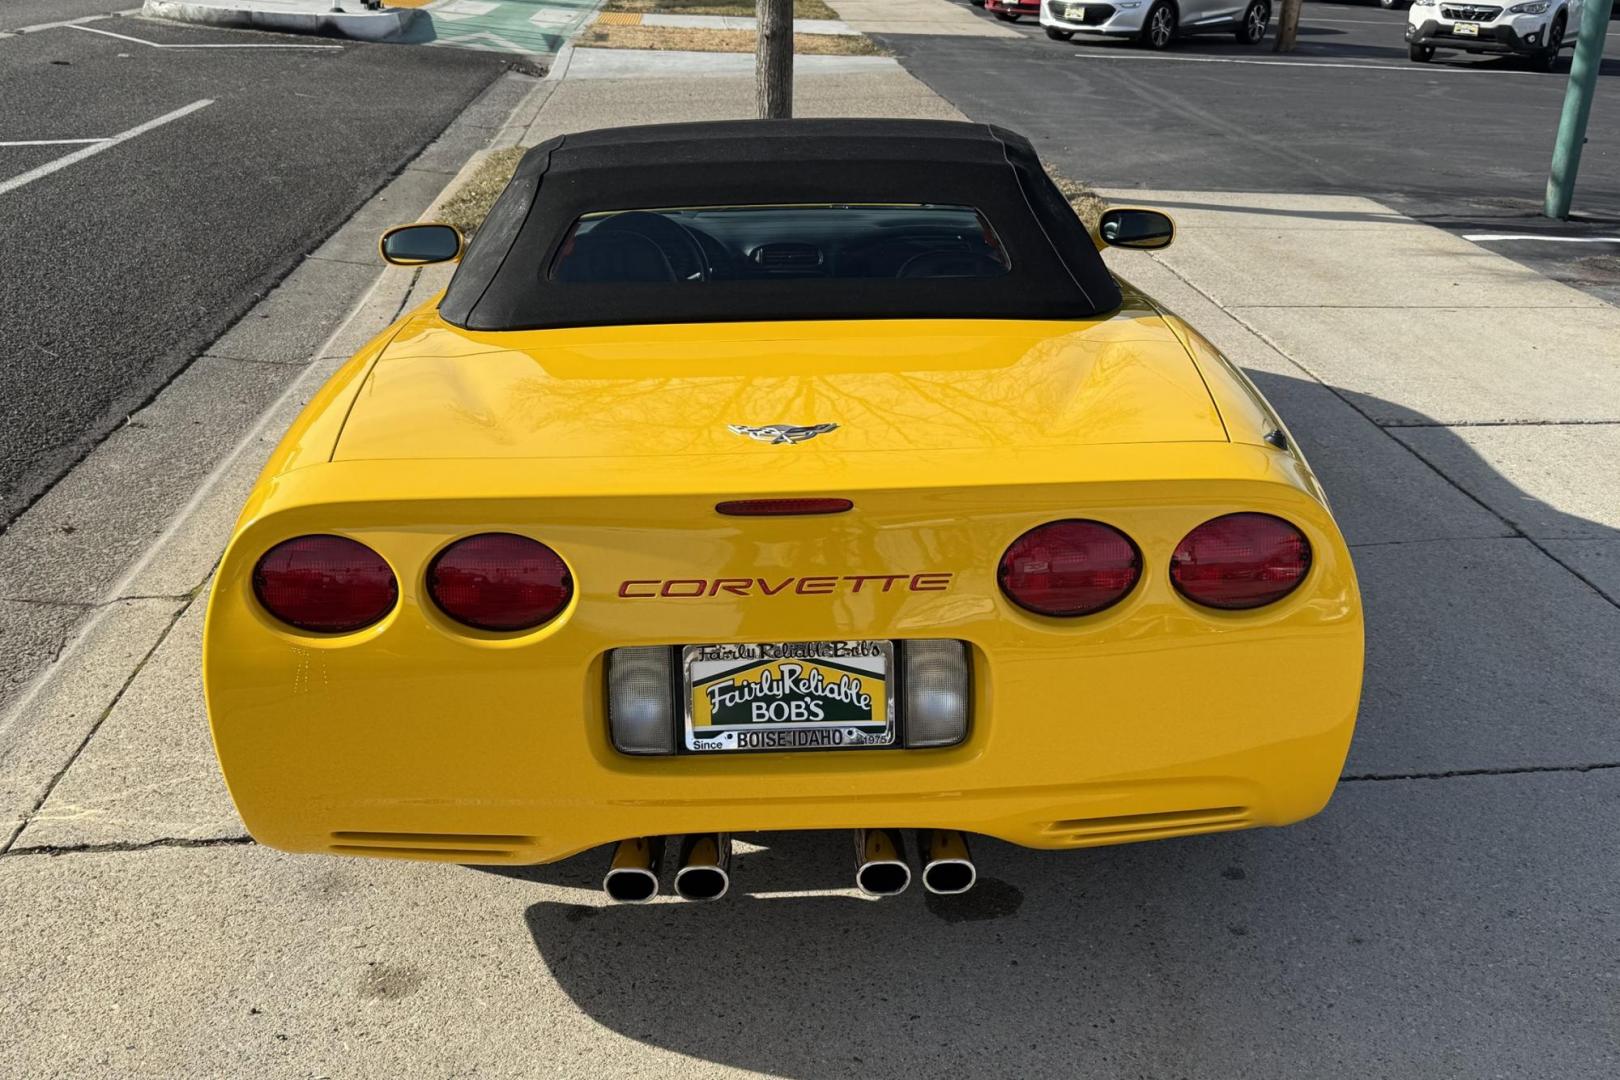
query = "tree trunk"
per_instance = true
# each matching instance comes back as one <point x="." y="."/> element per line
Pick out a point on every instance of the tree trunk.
<point x="773" y="59"/>
<point x="1287" y="25"/>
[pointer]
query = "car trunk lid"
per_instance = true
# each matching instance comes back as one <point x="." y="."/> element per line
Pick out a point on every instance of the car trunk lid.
<point x="677" y="394"/>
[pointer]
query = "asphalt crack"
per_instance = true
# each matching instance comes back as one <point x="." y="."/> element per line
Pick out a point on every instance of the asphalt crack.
<point x="130" y="845"/>
<point x="1508" y="770"/>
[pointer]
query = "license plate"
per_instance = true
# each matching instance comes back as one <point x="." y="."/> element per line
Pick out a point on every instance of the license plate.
<point x="1466" y="29"/>
<point x="791" y="695"/>
<point x="1075" y="13"/>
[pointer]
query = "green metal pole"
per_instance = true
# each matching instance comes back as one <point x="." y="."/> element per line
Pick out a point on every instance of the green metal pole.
<point x="1583" y="74"/>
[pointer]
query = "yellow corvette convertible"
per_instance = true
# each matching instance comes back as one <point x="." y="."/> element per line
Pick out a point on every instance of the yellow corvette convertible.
<point x="781" y="475"/>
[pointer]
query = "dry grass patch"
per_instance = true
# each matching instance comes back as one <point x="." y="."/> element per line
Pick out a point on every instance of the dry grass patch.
<point x="1087" y="203"/>
<point x="732" y="41"/>
<point x="467" y="208"/>
<point x="802" y="9"/>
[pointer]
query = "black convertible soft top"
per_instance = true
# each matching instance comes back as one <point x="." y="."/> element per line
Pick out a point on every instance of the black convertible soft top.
<point x="503" y="281"/>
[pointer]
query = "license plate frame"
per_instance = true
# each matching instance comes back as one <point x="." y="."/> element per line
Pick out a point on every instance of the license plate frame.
<point x="862" y="666"/>
<point x="1465" y="29"/>
<point x="1075" y="12"/>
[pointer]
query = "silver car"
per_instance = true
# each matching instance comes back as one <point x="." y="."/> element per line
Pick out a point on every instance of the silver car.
<point x="1156" y="23"/>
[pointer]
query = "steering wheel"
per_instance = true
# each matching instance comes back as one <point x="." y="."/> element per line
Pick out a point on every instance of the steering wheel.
<point x="666" y="234"/>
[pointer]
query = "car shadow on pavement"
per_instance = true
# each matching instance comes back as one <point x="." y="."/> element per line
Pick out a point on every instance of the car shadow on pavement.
<point x="1387" y="930"/>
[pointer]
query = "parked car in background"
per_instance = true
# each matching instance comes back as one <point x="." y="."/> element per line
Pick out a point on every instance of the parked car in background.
<point x="1536" y="29"/>
<point x="1154" y="24"/>
<point x="1012" y="10"/>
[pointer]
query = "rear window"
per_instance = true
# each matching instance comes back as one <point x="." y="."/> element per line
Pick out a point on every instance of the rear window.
<point x="771" y="243"/>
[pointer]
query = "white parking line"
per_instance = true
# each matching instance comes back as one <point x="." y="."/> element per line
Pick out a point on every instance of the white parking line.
<point x="1487" y="237"/>
<point x="1414" y="69"/>
<point x="104" y="144"/>
<point x="49" y="142"/>
<point x="165" y="45"/>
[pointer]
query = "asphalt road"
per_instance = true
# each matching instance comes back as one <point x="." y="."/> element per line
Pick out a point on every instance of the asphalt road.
<point x="120" y="268"/>
<point x="1463" y="143"/>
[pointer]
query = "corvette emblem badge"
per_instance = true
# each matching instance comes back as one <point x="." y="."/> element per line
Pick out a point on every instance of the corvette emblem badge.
<point x="780" y="434"/>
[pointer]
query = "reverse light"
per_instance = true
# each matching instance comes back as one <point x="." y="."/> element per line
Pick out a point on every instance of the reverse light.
<point x="1070" y="568"/>
<point x="936" y="691"/>
<point x="499" y="581"/>
<point x="325" y="584"/>
<point x="641" y="699"/>
<point x="1240" y="561"/>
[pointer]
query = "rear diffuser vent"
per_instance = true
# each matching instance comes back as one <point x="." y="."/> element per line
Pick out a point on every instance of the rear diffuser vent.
<point x="1086" y="832"/>
<point x="399" y="845"/>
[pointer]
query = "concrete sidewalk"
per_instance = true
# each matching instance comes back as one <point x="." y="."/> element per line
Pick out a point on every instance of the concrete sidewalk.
<point x="1451" y="914"/>
<point x="681" y="66"/>
<point x="937" y="18"/>
<point x="834" y="27"/>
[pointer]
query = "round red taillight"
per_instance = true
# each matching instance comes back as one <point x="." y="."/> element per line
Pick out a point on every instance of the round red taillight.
<point x="1069" y="568"/>
<point x="1240" y="561"/>
<point x="498" y="581"/>
<point x="328" y="584"/>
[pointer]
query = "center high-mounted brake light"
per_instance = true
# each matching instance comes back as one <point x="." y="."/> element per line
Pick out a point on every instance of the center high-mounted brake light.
<point x="782" y="507"/>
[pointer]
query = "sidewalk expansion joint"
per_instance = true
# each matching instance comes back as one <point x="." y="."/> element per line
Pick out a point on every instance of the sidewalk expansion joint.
<point x="1495" y="423"/>
<point x="368" y="263"/>
<point x="1424" y="307"/>
<point x="1511" y="770"/>
<point x="121" y="846"/>
<point x="1432" y="540"/>
<point x="123" y="688"/>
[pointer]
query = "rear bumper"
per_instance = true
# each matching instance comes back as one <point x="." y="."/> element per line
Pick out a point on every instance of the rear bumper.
<point x="415" y="738"/>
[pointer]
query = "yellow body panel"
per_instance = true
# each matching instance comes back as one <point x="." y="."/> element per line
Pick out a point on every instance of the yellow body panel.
<point x="418" y="737"/>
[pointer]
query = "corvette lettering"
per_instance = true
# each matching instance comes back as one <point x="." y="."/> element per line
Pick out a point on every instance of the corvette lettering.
<point x="815" y="585"/>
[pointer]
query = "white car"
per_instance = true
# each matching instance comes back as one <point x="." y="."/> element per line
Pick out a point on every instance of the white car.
<point x="1537" y="29"/>
<point x="1156" y="23"/>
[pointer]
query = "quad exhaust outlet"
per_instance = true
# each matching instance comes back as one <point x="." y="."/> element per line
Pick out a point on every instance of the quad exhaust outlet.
<point x="632" y="876"/>
<point x="704" y="868"/>
<point x="947" y="867"/>
<point x="880" y="862"/>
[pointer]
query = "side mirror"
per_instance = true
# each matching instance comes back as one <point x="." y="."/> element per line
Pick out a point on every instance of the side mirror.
<point x="420" y="245"/>
<point x="1135" y="227"/>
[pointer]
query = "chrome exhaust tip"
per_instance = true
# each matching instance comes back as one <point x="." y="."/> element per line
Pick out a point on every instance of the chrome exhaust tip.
<point x="947" y="866"/>
<point x="632" y="876"/>
<point x="880" y="862"/>
<point x="704" y="867"/>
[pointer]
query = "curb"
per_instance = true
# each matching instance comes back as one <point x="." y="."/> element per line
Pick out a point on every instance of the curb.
<point x="390" y="24"/>
<point x="589" y="62"/>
